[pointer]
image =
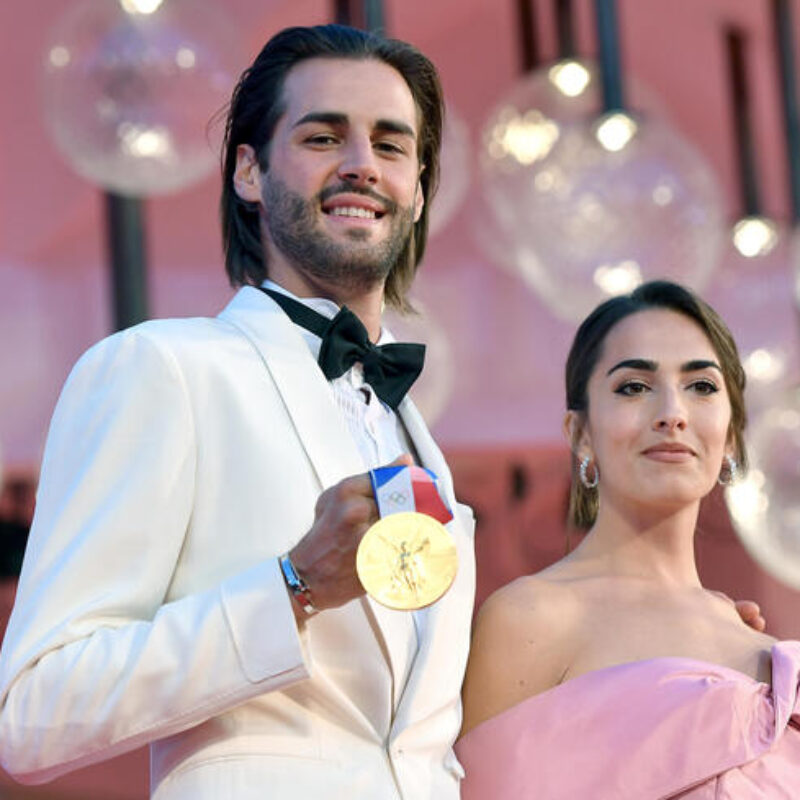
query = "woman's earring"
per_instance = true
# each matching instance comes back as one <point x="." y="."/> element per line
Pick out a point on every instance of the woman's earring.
<point x="729" y="475"/>
<point x="583" y="469"/>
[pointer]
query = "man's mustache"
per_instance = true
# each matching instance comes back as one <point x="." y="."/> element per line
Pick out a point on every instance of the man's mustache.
<point x="344" y="187"/>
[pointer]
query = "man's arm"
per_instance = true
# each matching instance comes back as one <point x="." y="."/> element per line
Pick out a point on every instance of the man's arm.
<point x="95" y="662"/>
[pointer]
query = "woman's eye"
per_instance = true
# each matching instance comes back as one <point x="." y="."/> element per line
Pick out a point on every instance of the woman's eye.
<point x="631" y="388"/>
<point x="704" y="387"/>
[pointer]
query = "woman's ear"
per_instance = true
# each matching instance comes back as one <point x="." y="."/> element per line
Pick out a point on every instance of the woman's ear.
<point x="576" y="432"/>
<point x="247" y="175"/>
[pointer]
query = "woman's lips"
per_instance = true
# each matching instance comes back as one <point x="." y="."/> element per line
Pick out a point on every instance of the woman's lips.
<point x="669" y="454"/>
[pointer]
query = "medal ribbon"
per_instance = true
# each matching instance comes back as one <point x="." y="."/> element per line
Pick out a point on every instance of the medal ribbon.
<point x="409" y="489"/>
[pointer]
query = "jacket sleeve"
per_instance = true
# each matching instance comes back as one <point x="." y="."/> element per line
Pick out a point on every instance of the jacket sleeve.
<point x="95" y="662"/>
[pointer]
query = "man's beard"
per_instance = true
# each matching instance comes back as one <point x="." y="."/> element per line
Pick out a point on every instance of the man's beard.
<point x="356" y="265"/>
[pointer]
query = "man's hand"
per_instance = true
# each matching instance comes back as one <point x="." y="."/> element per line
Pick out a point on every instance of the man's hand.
<point x="326" y="556"/>
<point x="750" y="613"/>
<point x="748" y="610"/>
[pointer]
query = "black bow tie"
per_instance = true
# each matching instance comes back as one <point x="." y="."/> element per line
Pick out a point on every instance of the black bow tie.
<point x="390" y="369"/>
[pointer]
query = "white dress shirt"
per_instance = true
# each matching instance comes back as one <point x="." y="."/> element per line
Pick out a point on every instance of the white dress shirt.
<point x="376" y="429"/>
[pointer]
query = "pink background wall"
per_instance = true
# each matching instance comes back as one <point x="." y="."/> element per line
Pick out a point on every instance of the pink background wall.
<point x="507" y="348"/>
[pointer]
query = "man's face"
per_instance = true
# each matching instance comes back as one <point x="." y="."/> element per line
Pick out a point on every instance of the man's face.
<point x="341" y="191"/>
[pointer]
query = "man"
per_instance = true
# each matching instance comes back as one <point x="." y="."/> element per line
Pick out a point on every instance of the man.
<point x="190" y="577"/>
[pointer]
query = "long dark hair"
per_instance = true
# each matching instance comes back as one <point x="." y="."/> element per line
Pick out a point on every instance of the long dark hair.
<point x="256" y="106"/>
<point x="587" y="349"/>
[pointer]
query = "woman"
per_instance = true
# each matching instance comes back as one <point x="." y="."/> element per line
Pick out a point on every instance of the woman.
<point x="613" y="673"/>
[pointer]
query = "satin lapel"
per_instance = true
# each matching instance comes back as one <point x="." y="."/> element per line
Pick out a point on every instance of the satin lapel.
<point x="318" y="421"/>
<point x="429" y="453"/>
<point x="307" y="395"/>
<point x="394" y="625"/>
<point x="443" y="628"/>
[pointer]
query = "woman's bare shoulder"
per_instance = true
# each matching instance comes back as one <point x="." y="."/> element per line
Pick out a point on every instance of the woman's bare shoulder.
<point x="522" y="645"/>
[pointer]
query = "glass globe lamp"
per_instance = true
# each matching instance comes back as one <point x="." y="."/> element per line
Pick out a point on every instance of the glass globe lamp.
<point x="455" y="171"/>
<point x="754" y="296"/>
<point x="583" y="208"/>
<point x="130" y="87"/>
<point x="765" y="504"/>
<point x="434" y="387"/>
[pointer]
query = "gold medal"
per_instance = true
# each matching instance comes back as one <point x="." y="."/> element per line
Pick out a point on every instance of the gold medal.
<point x="406" y="560"/>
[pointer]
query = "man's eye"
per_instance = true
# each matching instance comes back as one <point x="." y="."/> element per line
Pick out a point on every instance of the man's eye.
<point x="389" y="147"/>
<point x="322" y="139"/>
<point x="631" y="388"/>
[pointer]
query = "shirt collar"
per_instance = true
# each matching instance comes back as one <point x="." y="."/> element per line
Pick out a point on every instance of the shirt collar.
<point x="323" y="306"/>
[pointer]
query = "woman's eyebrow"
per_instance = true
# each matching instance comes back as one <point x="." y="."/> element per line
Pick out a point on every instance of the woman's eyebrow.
<point x="646" y="365"/>
<point x="635" y="363"/>
<point x="697" y="364"/>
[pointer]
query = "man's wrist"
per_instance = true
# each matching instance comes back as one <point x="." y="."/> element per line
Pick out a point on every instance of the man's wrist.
<point x="297" y="587"/>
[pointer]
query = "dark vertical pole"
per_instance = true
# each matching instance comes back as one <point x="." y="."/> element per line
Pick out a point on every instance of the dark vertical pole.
<point x="782" y="23"/>
<point x="609" y="56"/>
<point x="565" y="30"/>
<point x="126" y="250"/>
<point x="742" y="126"/>
<point x="343" y="12"/>
<point x="529" y="47"/>
<point x="368" y="15"/>
<point x="374" y="18"/>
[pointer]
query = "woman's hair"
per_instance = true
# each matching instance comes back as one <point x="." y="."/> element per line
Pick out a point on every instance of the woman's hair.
<point x="587" y="349"/>
<point x="256" y="106"/>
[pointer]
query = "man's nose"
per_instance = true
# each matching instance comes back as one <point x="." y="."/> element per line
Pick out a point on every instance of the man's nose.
<point x="359" y="164"/>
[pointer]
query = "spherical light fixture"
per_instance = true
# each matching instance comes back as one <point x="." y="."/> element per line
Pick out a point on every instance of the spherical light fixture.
<point x="765" y="504"/>
<point x="131" y="86"/>
<point x="434" y="388"/>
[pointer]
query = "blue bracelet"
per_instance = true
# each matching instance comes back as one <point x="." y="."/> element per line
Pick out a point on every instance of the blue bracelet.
<point x="296" y="585"/>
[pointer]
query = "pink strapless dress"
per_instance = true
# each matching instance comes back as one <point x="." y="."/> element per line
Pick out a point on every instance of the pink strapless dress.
<point x="661" y="728"/>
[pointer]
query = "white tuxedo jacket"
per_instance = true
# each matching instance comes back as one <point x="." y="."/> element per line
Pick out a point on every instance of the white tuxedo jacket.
<point x="183" y="457"/>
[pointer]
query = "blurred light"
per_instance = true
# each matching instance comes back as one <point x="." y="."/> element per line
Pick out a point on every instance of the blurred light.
<point x="789" y="419"/>
<point x="763" y="365"/>
<point x="59" y="56"/>
<point x="185" y="58"/>
<point x="663" y="195"/>
<point x="755" y="236"/>
<point x="570" y="77"/>
<point x="527" y="137"/>
<point x="747" y="501"/>
<point x="620" y="278"/>
<point x="140" y="6"/>
<point x="142" y="142"/>
<point x="614" y="131"/>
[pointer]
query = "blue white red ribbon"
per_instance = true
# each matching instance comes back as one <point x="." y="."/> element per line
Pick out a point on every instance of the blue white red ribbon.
<point x="409" y="489"/>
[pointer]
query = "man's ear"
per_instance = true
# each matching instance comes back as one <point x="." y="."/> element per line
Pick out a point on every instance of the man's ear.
<point x="247" y="174"/>
<point x="577" y="434"/>
<point x="419" y="196"/>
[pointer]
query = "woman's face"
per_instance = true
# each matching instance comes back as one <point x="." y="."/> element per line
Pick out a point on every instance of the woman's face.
<point x="659" y="412"/>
